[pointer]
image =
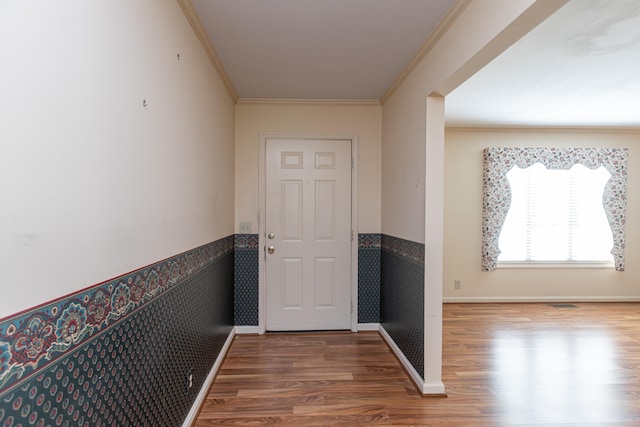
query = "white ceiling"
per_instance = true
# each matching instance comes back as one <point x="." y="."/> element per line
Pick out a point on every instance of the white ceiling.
<point x="317" y="49"/>
<point x="581" y="67"/>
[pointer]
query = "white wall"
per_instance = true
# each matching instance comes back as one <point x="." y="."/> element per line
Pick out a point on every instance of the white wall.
<point x="483" y="30"/>
<point x="463" y="222"/>
<point x="93" y="184"/>
<point x="346" y="118"/>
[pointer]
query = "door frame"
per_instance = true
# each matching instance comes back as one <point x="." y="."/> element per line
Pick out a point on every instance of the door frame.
<point x="262" y="280"/>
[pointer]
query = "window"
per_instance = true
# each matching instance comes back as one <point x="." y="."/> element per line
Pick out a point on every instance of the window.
<point x="556" y="216"/>
<point x="497" y="201"/>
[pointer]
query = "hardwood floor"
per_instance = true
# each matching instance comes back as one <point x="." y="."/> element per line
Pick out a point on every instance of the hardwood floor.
<point x="503" y="364"/>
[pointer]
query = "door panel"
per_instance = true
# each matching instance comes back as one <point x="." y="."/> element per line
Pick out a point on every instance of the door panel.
<point x="325" y="282"/>
<point x="291" y="283"/>
<point x="308" y="224"/>
<point x="292" y="209"/>
<point x="325" y="210"/>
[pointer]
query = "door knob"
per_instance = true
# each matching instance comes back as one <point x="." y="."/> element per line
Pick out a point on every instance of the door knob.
<point x="271" y="249"/>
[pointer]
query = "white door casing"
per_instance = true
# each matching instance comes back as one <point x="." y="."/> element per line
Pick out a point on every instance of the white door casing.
<point x="307" y="237"/>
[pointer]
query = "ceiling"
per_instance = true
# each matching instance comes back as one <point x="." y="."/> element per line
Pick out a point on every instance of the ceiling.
<point x="581" y="67"/>
<point x="317" y="49"/>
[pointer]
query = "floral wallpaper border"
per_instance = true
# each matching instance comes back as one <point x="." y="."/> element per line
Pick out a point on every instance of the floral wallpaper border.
<point x="497" y="192"/>
<point x="36" y="338"/>
<point x="246" y="241"/>
<point x="407" y="249"/>
<point x="369" y="240"/>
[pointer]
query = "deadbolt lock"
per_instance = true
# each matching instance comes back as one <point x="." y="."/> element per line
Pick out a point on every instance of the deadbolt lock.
<point x="271" y="236"/>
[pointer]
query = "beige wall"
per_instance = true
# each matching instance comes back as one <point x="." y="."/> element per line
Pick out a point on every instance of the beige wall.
<point x="93" y="183"/>
<point x="325" y="118"/>
<point x="463" y="221"/>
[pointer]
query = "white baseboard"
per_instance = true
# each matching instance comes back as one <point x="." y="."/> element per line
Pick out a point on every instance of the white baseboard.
<point x="488" y="300"/>
<point x="426" y="389"/>
<point x="247" y="330"/>
<point x="204" y="390"/>
<point x="368" y="326"/>
<point x="254" y="330"/>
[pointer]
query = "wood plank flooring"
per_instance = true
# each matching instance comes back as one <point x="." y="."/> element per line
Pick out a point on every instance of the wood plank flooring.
<point x="503" y="365"/>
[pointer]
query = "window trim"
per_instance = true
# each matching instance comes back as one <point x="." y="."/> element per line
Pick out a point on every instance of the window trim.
<point x="555" y="264"/>
<point x="497" y="191"/>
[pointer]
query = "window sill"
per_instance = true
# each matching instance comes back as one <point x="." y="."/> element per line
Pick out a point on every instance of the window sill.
<point x="555" y="264"/>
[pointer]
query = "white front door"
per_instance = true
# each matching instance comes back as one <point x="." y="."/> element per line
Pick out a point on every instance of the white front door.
<point x="308" y="234"/>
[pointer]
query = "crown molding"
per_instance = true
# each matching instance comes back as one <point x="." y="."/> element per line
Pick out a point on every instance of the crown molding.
<point x="544" y="128"/>
<point x="192" y="16"/>
<point x="277" y="101"/>
<point x="458" y="7"/>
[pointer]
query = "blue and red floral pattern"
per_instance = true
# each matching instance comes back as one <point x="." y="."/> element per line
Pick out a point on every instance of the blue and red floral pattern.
<point x="497" y="192"/>
<point x="72" y="323"/>
<point x="98" y="308"/>
<point x="407" y="249"/>
<point x="5" y="357"/>
<point x="34" y="339"/>
<point x="369" y="241"/>
<point x="247" y="241"/>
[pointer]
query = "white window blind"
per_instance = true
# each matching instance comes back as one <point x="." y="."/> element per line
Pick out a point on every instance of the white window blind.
<point x="556" y="216"/>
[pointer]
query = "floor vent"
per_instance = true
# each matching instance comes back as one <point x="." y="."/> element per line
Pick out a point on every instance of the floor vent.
<point x="563" y="305"/>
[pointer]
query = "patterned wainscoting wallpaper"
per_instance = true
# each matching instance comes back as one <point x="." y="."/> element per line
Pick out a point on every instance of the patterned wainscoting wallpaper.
<point x="246" y="279"/>
<point x="121" y="352"/>
<point x="402" y="296"/>
<point x="369" y="277"/>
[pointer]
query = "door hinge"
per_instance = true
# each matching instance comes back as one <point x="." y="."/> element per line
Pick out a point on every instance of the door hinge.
<point x="352" y="235"/>
<point x="351" y="307"/>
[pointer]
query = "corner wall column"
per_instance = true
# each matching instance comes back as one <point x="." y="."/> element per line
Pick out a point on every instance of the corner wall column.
<point x="434" y="238"/>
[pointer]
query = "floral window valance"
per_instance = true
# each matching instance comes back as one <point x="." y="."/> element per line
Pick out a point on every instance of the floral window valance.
<point x="497" y="191"/>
